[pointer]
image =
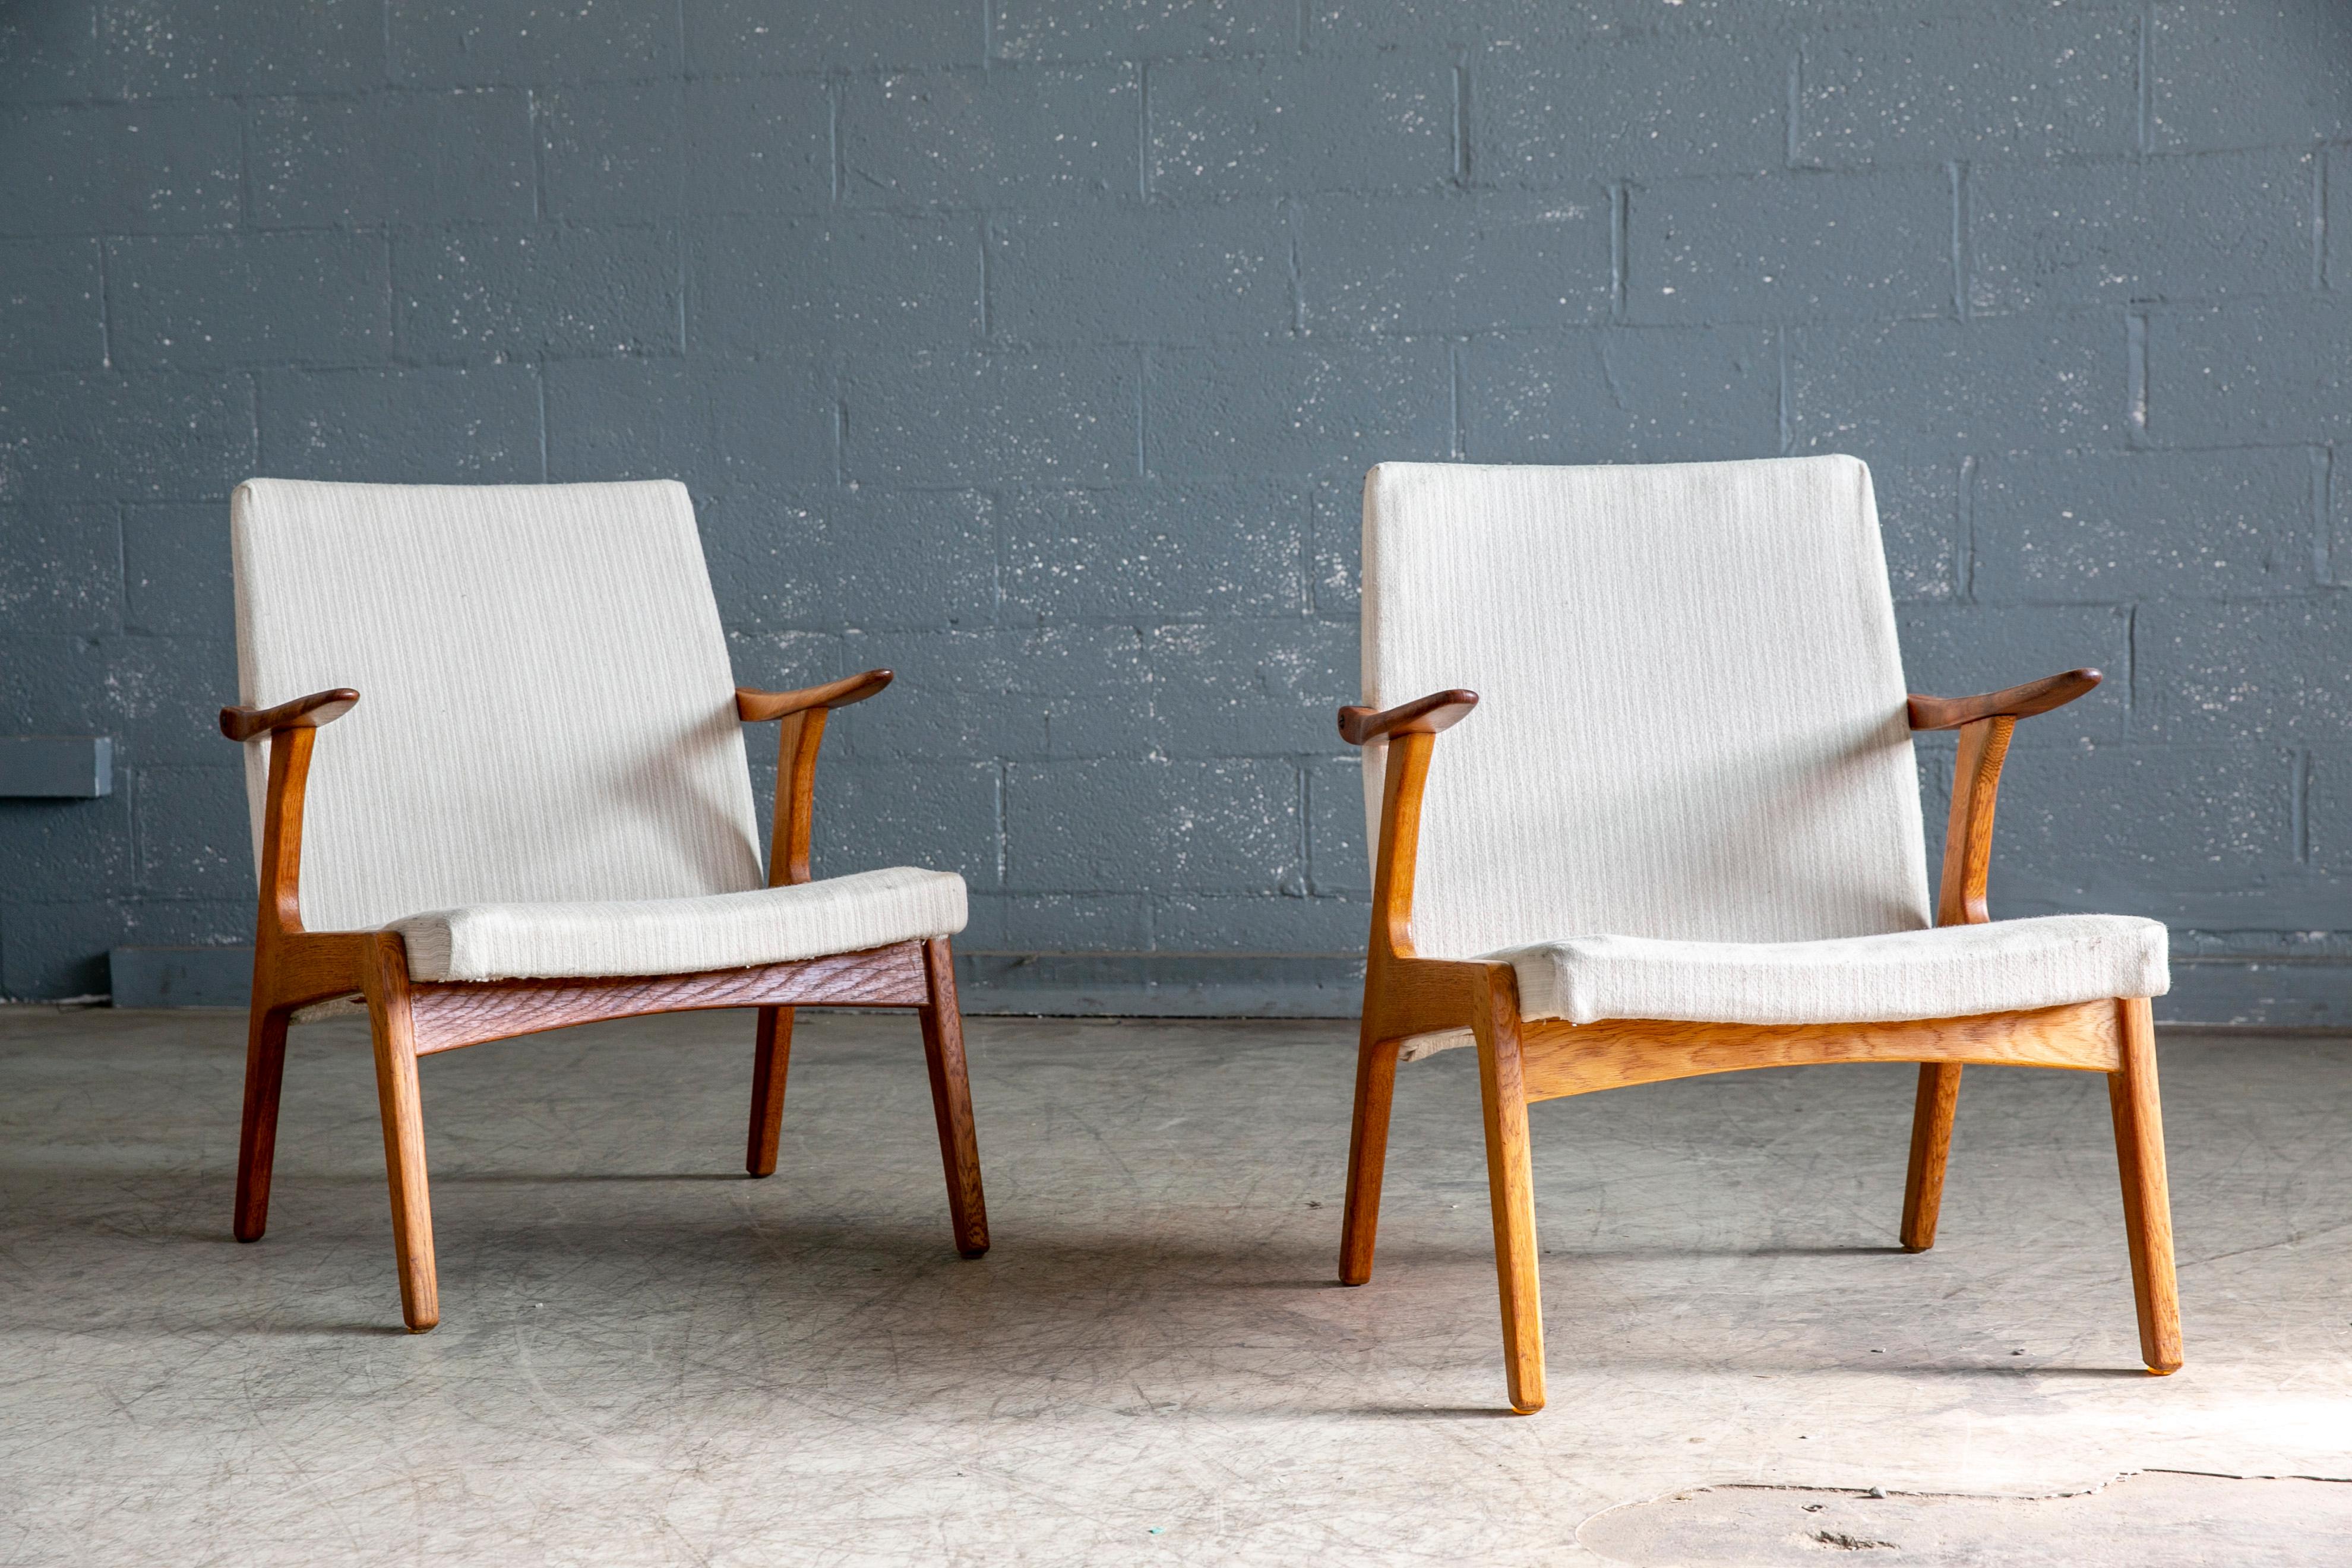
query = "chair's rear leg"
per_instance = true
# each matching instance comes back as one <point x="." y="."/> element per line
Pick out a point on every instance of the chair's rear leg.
<point x="771" y="1055"/>
<point x="1510" y="1187"/>
<point x="1931" y="1147"/>
<point x="2147" y="1200"/>
<point x="951" y="1100"/>
<point x="257" y="1144"/>
<point x="403" y="1111"/>
<point x="1368" y="1153"/>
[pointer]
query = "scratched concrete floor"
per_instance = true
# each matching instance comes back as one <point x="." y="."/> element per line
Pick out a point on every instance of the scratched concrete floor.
<point x="646" y="1359"/>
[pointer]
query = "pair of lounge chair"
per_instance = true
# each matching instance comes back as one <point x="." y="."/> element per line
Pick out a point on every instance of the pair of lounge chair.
<point x="1681" y="835"/>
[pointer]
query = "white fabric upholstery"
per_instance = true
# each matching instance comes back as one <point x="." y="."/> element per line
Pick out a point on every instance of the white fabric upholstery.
<point x="680" y="936"/>
<point x="1691" y="738"/>
<point x="546" y="718"/>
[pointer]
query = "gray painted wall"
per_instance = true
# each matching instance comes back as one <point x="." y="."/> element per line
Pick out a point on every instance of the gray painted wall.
<point x="1035" y="349"/>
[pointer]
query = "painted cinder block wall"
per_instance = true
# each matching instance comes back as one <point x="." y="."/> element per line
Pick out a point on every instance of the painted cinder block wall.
<point x="1035" y="349"/>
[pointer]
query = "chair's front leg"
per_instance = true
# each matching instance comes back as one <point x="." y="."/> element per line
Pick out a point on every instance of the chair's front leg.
<point x="1510" y="1187"/>
<point x="942" y="1023"/>
<point x="772" y="1059"/>
<point x="1368" y="1153"/>
<point x="1931" y="1149"/>
<point x="257" y="1144"/>
<point x="2147" y="1199"/>
<point x="386" y="975"/>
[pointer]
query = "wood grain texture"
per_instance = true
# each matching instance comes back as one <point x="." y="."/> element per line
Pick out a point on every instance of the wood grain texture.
<point x="243" y="723"/>
<point x="2133" y="1099"/>
<point x="1422" y="716"/>
<point x="756" y="707"/>
<point x="1931" y="1149"/>
<point x="1511" y="1195"/>
<point x="1368" y="1153"/>
<point x="1583" y="1058"/>
<point x="1967" y="833"/>
<point x="772" y="1060"/>
<point x="942" y="1023"/>
<point x="257" y="1144"/>
<point x="400" y="1104"/>
<point x="2013" y="702"/>
<point x="465" y="1013"/>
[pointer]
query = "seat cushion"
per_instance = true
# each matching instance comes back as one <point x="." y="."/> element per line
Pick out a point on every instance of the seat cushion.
<point x="681" y="936"/>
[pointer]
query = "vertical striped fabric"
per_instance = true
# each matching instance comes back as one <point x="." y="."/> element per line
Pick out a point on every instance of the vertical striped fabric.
<point x="1692" y="723"/>
<point x="546" y="706"/>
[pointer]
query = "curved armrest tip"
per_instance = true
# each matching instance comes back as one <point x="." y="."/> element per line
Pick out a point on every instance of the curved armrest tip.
<point x="243" y="723"/>
<point x="2014" y="702"/>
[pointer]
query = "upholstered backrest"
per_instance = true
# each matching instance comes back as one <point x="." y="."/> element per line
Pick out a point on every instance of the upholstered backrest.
<point x="1692" y="721"/>
<point x="546" y="708"/>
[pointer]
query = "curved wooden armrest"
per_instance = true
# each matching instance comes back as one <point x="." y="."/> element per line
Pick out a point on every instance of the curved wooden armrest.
<point x="2016" y="703"/>
<point x="302" y="713"/>
<point x="756" y="707"/>
<point x="1422" y="716"/>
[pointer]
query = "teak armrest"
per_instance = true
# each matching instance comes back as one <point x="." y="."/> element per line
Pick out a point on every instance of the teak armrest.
<point x="303" y="713"/>
<point x="1422" y="716"/>
<point x="2016" y="703"/>
<point x="757" y="706"/>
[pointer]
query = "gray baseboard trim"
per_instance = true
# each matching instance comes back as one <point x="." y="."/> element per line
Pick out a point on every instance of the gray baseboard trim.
<point x="2311" y="995"/>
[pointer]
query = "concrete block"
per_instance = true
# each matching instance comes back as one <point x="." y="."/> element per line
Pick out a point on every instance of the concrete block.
<point x="1301" y="407"/>
<point x="2100" y="525"/>
<point x="1458" y="263"/>
<point x="2327" y="810"/>
<point x="496" y="43"/>
<point x="1643" y="106"/>
<point x="2266" y="671"/>
<point x="733" y="36"/>
<point x="1138" y="29"/>
<point x="1162" y="825"/>
<point x="196" y="833"/>
<point x="52" y="305"/>
<point x="1958" y="650"/>
<point x="216" y="976"/>
<point x="77" y="436"/>
<point x="50" y="53"/>
<point x="1046" y="692"/>
<point x="1286" y="125"/>
<point x="2069" y="235"/>
<point x="866" y="277"/>
<point x="611" y="151"/>
<point x="712" y="423"/>
<point x="1338" y="863"/>
<point x="1911" y="389"/>
<point x="320" y="297"/>
<point x="1127" y="274"/>
<point x="180" y="49"/>
<point x="120" y="168"/>
<point x="840" y="558"/>
<point x="55" y="767"/>
<point x="2248" y="73"/>
<point x="1790" y="247"/>
<point x="1995" y="85"/>
<point x="176" y="574"/>
<point x="1160" y="986"/>
<point x="948" y="417"/>
<point x="562" y="292"/>
<point x="1201" y="922"/>
<point x="984" y="138"/>
<point x="1650" y="394"/>
<point x="1240" y="688"/>
<point x="2257" y="370"/>
<point x="1062" y="922"/>
<point x="758" y="145"/>
<point x="59" y="949"/>
<point x="61" y="572"/>
<point x="1920" y="527"/>
<point x="1335" y="562"/>
<point x="158" y="698"/>
<point x="460" y="155"/>
<point x="940" y="815"/>
<point x="417" y="425"/>
<point x="1158" y="553"/>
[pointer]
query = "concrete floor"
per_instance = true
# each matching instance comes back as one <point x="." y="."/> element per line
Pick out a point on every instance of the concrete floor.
<point x="646" y="1358"/>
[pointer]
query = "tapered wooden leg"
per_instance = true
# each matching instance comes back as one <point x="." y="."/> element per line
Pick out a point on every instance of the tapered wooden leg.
<point x="952" y="1101"/>
<point x="1510" y="1187"/>
<point x="386" y="984"/>
<point x="1931" y="1146"/>
<point x="1368" y="1153"/>
<point x="771" y="1055"/>
<point x="257" y="1145"/>
<point x="2147" y="1197"/>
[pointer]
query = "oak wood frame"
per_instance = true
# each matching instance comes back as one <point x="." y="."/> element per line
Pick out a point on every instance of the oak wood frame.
<point x="1521" y="1062"/>
<point x="409" y="1018"/>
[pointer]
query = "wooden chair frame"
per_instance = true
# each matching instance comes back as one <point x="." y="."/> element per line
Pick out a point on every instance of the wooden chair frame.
<point x="1521" y="1062"/>
<point x="294" y="968"/>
